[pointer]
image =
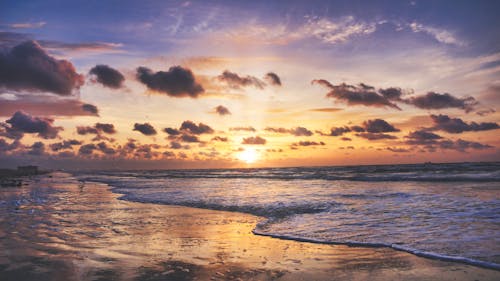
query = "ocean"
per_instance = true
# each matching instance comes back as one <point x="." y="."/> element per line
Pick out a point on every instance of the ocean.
<point x="444" y="211"/>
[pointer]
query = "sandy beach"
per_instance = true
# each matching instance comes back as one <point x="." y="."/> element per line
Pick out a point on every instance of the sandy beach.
<point x="55" y="228"/>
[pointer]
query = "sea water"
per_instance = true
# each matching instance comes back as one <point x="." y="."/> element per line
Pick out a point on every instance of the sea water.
<point x="445" y="211"/>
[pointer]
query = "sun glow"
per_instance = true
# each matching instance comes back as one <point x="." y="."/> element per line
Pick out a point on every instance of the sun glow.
<point x="250" y="155"/>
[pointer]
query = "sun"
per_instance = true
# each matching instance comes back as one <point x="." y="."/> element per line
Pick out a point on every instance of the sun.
<point x="249" y="155"/>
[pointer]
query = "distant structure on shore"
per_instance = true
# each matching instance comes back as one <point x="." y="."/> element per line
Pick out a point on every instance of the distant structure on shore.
<point x="28" y="170"/>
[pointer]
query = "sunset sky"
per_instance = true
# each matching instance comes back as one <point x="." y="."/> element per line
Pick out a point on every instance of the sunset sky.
<point x="207" y="84"/>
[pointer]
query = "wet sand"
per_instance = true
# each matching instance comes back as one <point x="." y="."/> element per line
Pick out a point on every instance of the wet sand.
<point x="57" y="229"/>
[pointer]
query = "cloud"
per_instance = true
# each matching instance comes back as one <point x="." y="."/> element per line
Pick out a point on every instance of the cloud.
<point x="338" y="131"/>
<point x="66" y="144"/>
<point x="433" y="100"/>
<point x="297" y="131"/>
<point x="422" y="137"/>
<point x="356" y="95"/>
<point x="175" y="145"/>
<point x="325" y="109"/>
<point x="47" y="106"/>
<point x="457" y="125"/>
<point x="105" y="128"/>
<point x="98" y="128"/>
<point x="376" y="136"/>
<point x="307" y="143"/>
<point x="431" y="141"/>
<point x="334" y="32"/>
<point x="398" y="149"/>
<point x="221" y="139"/>
<point x="237" y="82"/>
<point x="37" y="149"/>
<point x="370" y="129"/>
<point x="176" y="82"/>
<point x="247" y="129"/>
<point x="27" y="67"/>
<point x="273" y="79"/>
<point x="441" y="35"/>
<point x="254" y="140"/>
<point x="172" y="131"/>
<point x="145" y="129"/>
<point x="191" y="127"/>
<point x="90" y="108"/>
<point x="107" y="76"/>
<point x="87" y="149"/>
<point x="379" y="126"/>
<point x="366" y="95"/>
<point x="222" y="110"/>
<point x="462" y="145"/>
<point x="29" y="25"/>
<point x="22" y="122"/>
<point x="104" y="148"/>
<point x="5" y="146"/>
<point x="189" y="138"/>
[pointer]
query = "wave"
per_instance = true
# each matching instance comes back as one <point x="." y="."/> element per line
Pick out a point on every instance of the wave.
<point x="425" y="254"/>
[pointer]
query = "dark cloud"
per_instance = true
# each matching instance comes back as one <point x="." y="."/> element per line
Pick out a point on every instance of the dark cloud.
<point x="484" y="112"/>
<point x="254" y="140"/>
<point x="217" y="138"/>
<point x="87" y="149"/>
<point x="273" y="79"/>
<point x="398" y="149"/>
<point x="356" y="95"/>
<point x="43" y="107"/>
<point x="374" y="130"/>
<point x="247" y="129"/>
<point x="37" y="149"/>
<point x="85" y="130"/>
<point x="422" y="137"/>
<point x="21" y="123"/>
<point x="338" y="131"/>
<point x="235" y="81"/>
<point x="307" y="143"/>
<point x="297" y="131"/>
<point x="366" y="95"/>
<point x="379" y="126"/>
<point x="346" y="139"/>
<point x="277" y="130"/>
<point x="457" y="125"/>
<point x="189" y="138"/>
<point x="98" y="128"/>
<point x="176" y="82"/>
<point x="463" y="145"/>
<point x="191" y="127"/>
<point x="222" y="110"/>
<point x="5" y="146"/>
<point x="105" y="128"/>
<point x="357" y="129"/>
<point x="433" y="100"/>
<point x="172" y="131"/>
<point x="301" y="131"/>
<point x="104" y="148"/>
<point x="107" y="76"/>
<point x="90" y="108"/>
<point x="175" y="145"/>
<point x="27" y="67"/>
<point x="392" y="93"/>
<point x="145" y="129"/>
<point x="376" y="136"/>
<point x="66" y="144"/>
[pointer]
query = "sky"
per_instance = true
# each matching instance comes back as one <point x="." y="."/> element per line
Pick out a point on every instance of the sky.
<point x="230" y="84"/>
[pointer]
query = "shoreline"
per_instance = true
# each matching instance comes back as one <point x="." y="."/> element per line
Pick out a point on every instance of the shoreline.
<point x="62" y="231"/>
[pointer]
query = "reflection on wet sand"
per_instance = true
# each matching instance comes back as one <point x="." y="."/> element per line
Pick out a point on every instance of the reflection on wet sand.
<point x="61" y="229"/>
